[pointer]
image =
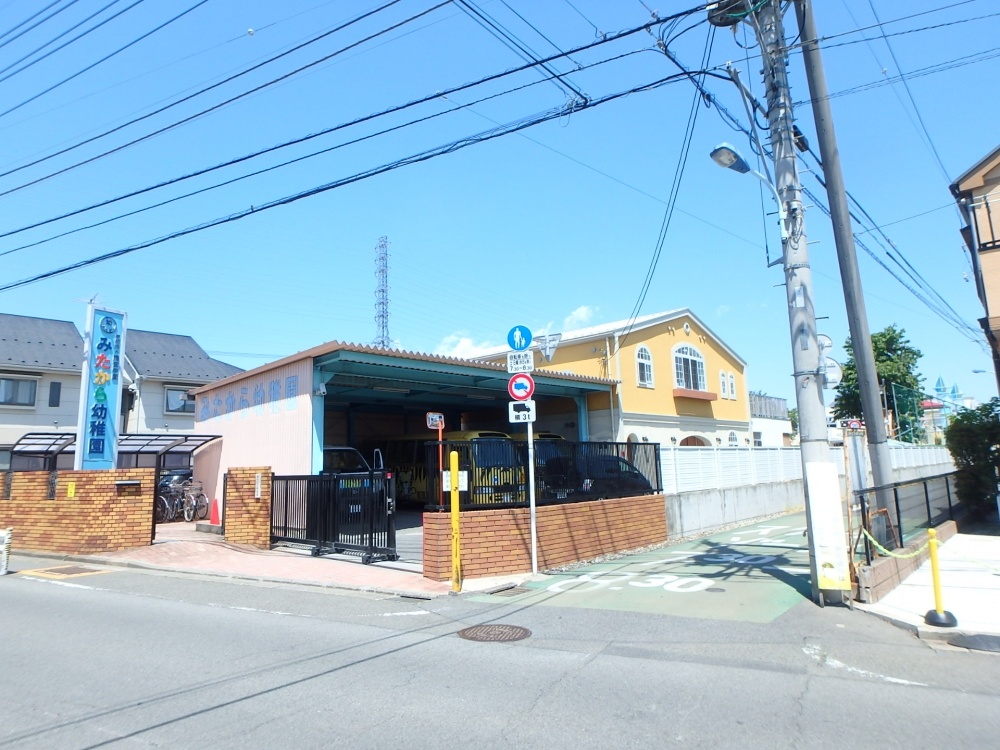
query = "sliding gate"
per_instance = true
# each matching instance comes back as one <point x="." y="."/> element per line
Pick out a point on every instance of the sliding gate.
<point x="352" y="513"/>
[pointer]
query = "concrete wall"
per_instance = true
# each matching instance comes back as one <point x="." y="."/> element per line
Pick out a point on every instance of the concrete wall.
<point x="704" y="511"/>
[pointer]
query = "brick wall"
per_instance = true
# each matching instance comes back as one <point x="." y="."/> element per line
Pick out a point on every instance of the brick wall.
<point x="246" y="518"/>
<point x="90" y="513"/>
<point x="495" y="542"/>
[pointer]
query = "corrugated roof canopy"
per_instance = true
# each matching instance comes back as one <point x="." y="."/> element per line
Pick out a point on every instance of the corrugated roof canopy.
<point x="54" y="443"/>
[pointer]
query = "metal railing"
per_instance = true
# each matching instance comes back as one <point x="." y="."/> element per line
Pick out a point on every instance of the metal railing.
<point x="336" y="513"/>
<point x="919" y="504"/>
<point x="494" y="472"/>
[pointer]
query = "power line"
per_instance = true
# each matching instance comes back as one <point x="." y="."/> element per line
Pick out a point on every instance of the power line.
<point x="203" y="112"/>
<point x="448" y="148"/>
<point x="106" y="57"/>
<point x="60" y="36"/>
<point x="31" y="18"/>
<point x="521" y="49"/>
<point x="607" y="38"/>
<point x="249" y="174"/>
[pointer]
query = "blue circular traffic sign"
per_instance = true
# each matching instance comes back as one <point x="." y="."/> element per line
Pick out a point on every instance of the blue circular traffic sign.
<point x="519" y="338"/>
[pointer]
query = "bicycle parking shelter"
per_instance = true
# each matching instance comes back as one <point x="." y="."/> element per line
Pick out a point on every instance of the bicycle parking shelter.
<point x="54" y="451"/>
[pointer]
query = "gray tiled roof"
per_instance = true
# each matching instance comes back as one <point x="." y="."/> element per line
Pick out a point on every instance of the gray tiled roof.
<point x="39" y="343"/>
<point x="43" y="344"/>
<point x="167" y="355"/>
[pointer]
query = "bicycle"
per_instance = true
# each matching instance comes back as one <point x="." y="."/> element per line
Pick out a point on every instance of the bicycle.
<point x="195" y="503"/>
<point x="170" y="504"/>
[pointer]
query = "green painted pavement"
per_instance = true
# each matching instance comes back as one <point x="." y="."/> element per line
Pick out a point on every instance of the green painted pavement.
<point x="751" y="574"/>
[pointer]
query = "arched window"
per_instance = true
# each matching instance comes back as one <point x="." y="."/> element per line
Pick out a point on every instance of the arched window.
<point x="733" y="440"/>
<point x="689" y="368"/>
<point x="644" y="367"/>
<point x="723" y="385"/>
<point x="732" y="385"/>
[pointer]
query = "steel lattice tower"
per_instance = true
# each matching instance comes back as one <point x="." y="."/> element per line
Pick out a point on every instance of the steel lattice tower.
<point x="382" y="340"/>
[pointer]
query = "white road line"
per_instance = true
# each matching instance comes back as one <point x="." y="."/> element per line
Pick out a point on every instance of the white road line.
<point x="402" y="614"/>
<point x="60" y="583"/>
<point x="817" y="653"/>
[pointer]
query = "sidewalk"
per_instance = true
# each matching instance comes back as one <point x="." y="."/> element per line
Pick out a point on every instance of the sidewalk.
<point x="179" y="548"/>
<point x="970" y="590"/>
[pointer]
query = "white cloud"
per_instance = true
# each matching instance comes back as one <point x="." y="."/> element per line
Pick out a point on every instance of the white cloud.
<point x="579" y="318"/>
<point x="722" y="310"/>
<point x="460" y="344"/>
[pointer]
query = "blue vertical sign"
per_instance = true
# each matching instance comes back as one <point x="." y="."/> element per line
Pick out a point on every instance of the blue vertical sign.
<point x="101" y="390"/>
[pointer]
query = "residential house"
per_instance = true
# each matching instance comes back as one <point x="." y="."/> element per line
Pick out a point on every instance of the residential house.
<point x="769" y="421"/>
<point x="678" y="383"/>
<point x="40" y="363"/>
<point x="976" y="191"/>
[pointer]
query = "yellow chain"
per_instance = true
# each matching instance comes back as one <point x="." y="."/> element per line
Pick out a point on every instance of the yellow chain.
<point x="884" y="551"/>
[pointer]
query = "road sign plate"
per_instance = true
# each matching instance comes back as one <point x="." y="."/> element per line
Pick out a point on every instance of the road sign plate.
<point x="435" y="420"/>
<point x="521" y="387"/>
<point x="520" y="362"/>
<point x="521" y="411"/>
<point x="519" y="338"/>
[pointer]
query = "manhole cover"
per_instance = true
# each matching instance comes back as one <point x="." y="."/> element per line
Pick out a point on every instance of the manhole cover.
<point x="494" y="633"/>
<point x="977" y="642"/>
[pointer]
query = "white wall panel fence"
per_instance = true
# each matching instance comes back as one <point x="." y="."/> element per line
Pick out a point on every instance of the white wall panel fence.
<point x="694" y="469"/>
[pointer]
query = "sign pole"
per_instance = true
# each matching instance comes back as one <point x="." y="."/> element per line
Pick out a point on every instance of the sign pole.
<point x="531" y="499"/>
<point x="456" y="540"/>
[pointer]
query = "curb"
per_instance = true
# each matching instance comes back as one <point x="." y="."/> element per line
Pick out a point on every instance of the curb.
<point x="94" y="560"/>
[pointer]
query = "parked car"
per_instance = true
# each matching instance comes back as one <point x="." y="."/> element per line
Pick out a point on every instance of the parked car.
<point x="592" y="475"/>
<point x="342" y="459"/>
<point x="172" y="476"/>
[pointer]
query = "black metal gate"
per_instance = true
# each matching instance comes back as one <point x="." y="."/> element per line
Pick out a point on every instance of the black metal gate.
<point x="351" y="513"/>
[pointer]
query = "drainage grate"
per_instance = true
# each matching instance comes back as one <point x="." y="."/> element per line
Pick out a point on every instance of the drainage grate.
<point x="512" y="591"/>
<point x="494" y="633"/>
<point x="63" y="571"/>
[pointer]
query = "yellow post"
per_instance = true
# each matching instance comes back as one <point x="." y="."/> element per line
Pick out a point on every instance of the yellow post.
<point x="937" y="616"/>
<point x="456" y="547"/>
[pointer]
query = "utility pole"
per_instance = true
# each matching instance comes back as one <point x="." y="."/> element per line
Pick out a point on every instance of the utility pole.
<point x="857" y="317"/>
<point x="828" y="562"/>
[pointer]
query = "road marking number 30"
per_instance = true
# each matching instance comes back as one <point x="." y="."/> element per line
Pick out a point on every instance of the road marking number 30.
<point x="593" y="581"/>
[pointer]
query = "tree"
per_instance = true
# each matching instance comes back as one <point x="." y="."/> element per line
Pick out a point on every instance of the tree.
<point x="973" y="439"/>
<point x="793" y="417"/>
<point x="896" y="369"/>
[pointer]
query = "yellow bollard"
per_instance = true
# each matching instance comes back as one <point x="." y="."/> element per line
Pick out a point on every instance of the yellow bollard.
<point x="937" y="616"/>
<point x="456" y="546"/>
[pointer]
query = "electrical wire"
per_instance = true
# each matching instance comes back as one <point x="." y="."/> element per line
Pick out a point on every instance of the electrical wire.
<point x="107" y="57"/>
<point x="60" y="36"/>
<point x="606" y="39"/>
<point x="214" y="107"/>
<point x="29" y="19"/>
<point x="521" y="49"/>
<point x="252" y="174"/>
<point x="38" y="23"/>
<point x="448" y="148"/>
<point x="696" y="104"/>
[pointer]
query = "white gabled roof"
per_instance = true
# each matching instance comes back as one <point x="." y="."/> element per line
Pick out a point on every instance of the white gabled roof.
<point x="619" y="327"/>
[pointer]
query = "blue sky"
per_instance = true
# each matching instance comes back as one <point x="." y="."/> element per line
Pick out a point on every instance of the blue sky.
<point x="553" y="227"/>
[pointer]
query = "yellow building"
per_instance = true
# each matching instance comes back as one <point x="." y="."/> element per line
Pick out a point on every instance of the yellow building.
<point x="976" y="191"/>
<point x="677" y="382"/>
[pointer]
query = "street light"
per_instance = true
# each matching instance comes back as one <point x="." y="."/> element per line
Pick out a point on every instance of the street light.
<point x="726" y="156"/>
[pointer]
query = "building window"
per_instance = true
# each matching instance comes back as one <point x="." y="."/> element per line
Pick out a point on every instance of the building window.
<point x="176" y="401"/>
<point x="723" y="385"/>
<point x="644" y="365"/>
<point x="758" y="441"/>
<point x="17" y="392"/>
<point x="55" y="393"/>
<point x="689" y="368"/>
<point x="732" y="386"/>
<point x="734" y="441"/>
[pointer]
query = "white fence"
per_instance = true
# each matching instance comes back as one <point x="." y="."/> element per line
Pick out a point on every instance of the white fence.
<point x="692" y="469"/>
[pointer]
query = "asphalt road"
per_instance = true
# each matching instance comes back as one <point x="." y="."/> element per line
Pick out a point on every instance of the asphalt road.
<point x="130" y="658"/>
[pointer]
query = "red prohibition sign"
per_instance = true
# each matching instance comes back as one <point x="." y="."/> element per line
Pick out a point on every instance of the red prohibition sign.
<point x="521" y="387"/>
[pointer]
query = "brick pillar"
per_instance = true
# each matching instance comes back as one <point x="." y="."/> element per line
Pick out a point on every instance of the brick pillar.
<point x="247" y="518"/>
